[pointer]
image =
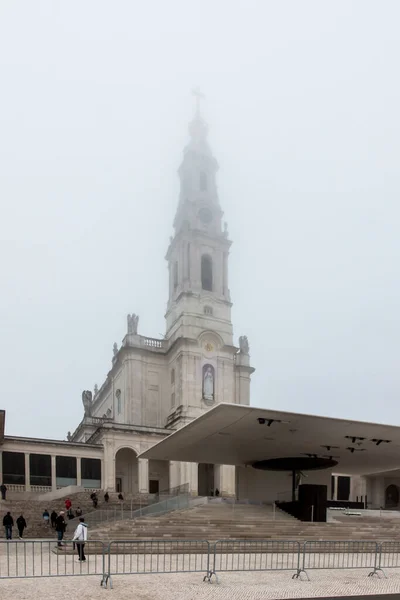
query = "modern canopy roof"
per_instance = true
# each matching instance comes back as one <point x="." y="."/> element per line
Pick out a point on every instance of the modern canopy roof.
<point x="233" y="434"/>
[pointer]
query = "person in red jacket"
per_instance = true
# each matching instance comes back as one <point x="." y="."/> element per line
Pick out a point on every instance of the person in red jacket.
<point x="68" y="504"/>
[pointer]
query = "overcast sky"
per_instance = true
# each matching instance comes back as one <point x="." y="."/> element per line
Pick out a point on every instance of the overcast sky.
<point x="303" y="105"/>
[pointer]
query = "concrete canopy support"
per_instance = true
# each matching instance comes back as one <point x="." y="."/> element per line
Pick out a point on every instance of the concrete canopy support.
<point x="225" y="480"/>
<point x="27" y="473"/>
<point x="143" y="468"/>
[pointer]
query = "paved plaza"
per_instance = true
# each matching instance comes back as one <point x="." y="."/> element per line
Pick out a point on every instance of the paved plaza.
<point x="232" y="586"/>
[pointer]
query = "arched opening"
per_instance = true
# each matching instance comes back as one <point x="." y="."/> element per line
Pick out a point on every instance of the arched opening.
<point x="206" y="273"/>
<point x="205" y="483"/>
<point x="126" y="471"/>
<point x="203" y="181"/>
<point x="392" y="496"/>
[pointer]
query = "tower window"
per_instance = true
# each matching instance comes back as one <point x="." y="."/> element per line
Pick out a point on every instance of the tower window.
<point x="175" y="275"/>
<point x="172" y="376"/>
<point x="203" y="181"/>
<point x="119" y="402"/>
<point x="206" y="273"/>
<point x="208" y="310"/>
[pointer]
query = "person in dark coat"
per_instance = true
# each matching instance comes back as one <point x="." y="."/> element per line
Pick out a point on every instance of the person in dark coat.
<point x="3" y="491"/>
<point x="106" y="497"/>
<point x="21" y="524"/>
<point x="53" y="518"/>
<point x="60" y="528"/>
<point x="8" y="524"/>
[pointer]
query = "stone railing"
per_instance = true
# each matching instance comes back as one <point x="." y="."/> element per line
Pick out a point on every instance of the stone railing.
<point x="12" y="487"/>
<point x="154" y="343"/>
<point x="41" y="488"/>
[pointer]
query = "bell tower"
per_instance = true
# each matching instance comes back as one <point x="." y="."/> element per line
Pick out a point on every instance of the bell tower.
<point x="199" y="297"/>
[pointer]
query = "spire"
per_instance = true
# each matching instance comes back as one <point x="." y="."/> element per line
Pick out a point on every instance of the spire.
<point x="198" y="127"/>
<point x="199" y="96"/>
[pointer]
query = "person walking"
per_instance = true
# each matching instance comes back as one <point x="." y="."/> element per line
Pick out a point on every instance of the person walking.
<point x="8" y="524"/>
<point x="60" y="528"/>
<point x="94" y="499"/>
<point x="21" y="524"/>
<point x="46" y="517"/>
<point x="78" y="512"/>
<point x="3" y="491"/>
<point x="68" y="504"/>
<point x="53" y="518"/>
<point x="80" y="537"/>
<point x="106" y="497"/>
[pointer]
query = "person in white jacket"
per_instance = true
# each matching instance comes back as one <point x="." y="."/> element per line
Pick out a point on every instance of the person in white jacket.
<point x="80" y="537"/>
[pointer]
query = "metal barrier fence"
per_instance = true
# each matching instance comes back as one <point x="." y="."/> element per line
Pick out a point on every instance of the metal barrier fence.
<point x="44" y="558"/>
<point x="256" y="555"/>
<point x="340" y="555"/>
<point x="389" y="556"/>
<point x="158" y="556"/>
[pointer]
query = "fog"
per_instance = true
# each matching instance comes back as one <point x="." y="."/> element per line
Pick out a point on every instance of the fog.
<point x="302" y="102"/>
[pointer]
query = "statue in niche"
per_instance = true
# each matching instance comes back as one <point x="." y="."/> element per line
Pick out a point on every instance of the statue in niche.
<point x="87" y="402"/>
<point x="115" y="349"/>
<point x="244" y="344"/>
<point x="133" y="322"/>
<point x="208" y="383"/>
<point x="69" y="436"/>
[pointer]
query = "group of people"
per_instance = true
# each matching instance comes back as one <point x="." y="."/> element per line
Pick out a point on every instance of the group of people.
<point x="95" y="500"/>
<point x="57" y="522"/>
<point x="79" y="538"/>
<point x="8" y="524"/>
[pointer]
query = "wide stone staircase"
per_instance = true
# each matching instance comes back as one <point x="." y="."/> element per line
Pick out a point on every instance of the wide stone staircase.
<point x="32" y="509"/>
<point x="213" y="521"/>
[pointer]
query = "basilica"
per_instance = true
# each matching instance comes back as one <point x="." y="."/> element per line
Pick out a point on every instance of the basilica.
<point x="173" y="414"/>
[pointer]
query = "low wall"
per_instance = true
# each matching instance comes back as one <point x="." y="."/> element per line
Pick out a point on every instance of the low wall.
<point x="61" y="493"/>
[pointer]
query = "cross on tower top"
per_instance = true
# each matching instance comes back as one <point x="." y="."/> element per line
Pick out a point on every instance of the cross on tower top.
<point x="199" y="96"/>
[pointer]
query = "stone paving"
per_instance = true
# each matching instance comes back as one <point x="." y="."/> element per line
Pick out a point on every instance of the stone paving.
<point x="232" y="586"/>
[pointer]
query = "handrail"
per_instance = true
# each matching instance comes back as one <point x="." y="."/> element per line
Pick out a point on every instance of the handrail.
<point x="102" y="515"/>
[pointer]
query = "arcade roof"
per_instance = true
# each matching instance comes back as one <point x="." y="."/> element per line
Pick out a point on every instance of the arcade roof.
<point x="231" y="434"/>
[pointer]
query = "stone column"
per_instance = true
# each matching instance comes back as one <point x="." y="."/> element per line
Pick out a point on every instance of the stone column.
<point x="53" y="473"/>
<point x="27" y="473"/>
<point x="78" y="471"/>
<point x="143" y="476"/>
<point x="190" y="475"/>
<point x="102" y="480"/>
<point x="174" y="474"/>
<point x="225" y="480"/>
<point x="335" y="487"/>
